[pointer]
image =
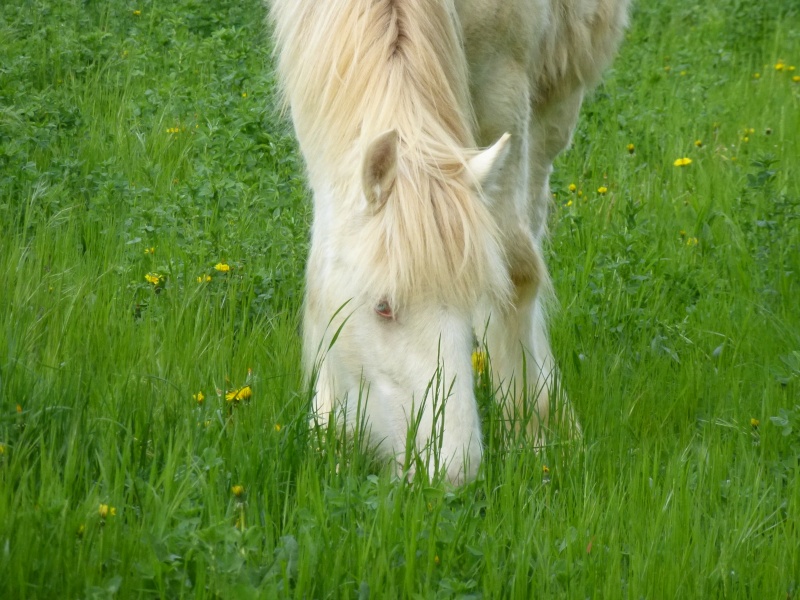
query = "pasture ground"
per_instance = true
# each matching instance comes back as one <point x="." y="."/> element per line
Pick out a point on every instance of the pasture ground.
<point x="141" y="139"/>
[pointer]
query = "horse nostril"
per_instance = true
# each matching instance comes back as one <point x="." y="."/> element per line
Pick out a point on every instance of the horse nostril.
<point x="383" y="309"/>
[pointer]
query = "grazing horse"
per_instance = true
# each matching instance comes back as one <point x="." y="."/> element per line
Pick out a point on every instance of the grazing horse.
<point x="420" y="240"/>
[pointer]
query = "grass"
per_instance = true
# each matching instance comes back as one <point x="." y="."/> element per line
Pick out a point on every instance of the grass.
<point x="143" y="139"/>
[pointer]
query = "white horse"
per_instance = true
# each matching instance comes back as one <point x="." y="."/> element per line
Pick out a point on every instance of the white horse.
<point x="420" y="241"/>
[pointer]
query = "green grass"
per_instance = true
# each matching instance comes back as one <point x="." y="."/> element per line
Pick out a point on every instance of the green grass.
<point x="678" y="324"/>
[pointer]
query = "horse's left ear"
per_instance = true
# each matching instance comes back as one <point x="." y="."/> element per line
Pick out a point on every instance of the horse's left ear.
<point x="486" y="165"/>
<point x="380" y="168"/>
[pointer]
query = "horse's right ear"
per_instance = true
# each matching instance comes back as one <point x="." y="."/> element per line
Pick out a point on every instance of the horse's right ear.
<point x="380" y="168"/>
<point x="486" y="165"/>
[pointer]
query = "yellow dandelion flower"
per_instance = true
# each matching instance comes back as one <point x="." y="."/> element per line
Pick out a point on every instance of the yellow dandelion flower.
<point x="580" y="192"/>
<point x="277" y="427"/>
<point x="173" y="129"/>
<point x="479" y="362"/>
<point x="2" y="448"/>
<point x="572" y="187"/>
<point x="602" y="189"/>
<point x="692" y="241"/>
<point x="205" y="278"/>
<point x="750" y="131"/>
<point x="569" y="203"/>
<point x="223" y="267"/>
<point x="754" y="422"/>
<point x="790" y="68"/>
<point x="436" y="560"/>
<point x="137" y="13"/>
<point x="240" y="394"/>
<point x="19" y="408"/>
<point x="745" y="139"/>
<point x="682" y="162"/>
<point x="682" y="233"/>
<point x="237" y="490"/>
<point x="683" y="73"/>
<point x="698" y="143"/>
<point x="631" y="148"/>
<point x="796" y="78"/>
<point x="81" y="530"/>
<point x="199" y="397"/>
<point x="106" y="511"/>
<point x="779" y="66"/>
<point x="756" y="75"/>
<point x="545" y="469"/>
<point x="153" y="278"/>
<point x="150" y="250"/>
<point x="244" y="94"/>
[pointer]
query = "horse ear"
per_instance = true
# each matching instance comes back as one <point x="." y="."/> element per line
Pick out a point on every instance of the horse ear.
<point x="380" y="167"/>
<point x="486" y="165"/>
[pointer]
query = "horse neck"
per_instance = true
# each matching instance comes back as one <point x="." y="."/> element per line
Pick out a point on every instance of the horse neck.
<point x="354" y="68"/>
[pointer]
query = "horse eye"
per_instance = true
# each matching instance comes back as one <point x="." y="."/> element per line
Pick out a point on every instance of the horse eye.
<point x="383" y="309"/>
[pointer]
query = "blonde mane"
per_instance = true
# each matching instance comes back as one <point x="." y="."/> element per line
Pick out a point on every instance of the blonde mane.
<point x="353" y="69"/>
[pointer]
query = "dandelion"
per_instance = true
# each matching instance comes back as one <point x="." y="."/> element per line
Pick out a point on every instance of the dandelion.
<point x="749" y="130"/>
<point x="81" y="530"/>
<point x="244" y="94"/>
<point x="222" y="267"/>
<point x="240" y="394"/>
<point x="150" y="250"/>
<point x="173" y="129"/>
<point x="780" y="65"/>
<point x="791" y="68"/>
<point x="436" y="560"/>
<point x="580" y="193"/>
<point x="479" y="362"/>
<point x="796" y="78"/>
<point x="682" y="162"/>
<point x="205" y="278"/>
<point x="602" y="189"/>
<point x="569" y="203"/>
<point x="754" y="423"/>
<point x="105" y="511"/>
<point x="745" y="139"/>
<point x="683" y="73"/>
<point x="698" y="143"/>
<point x="19" y="408"/>
<point x="631" y="148"/>
<point x="2" y="449"/>
<point x="692" y="241"/>
<point x="277" y="427"/>
<point x="756" y="75"/>
<point x="199" y="397"/>
<point x="153" y="278"/>
<point x="572" y="187"/>
<point x="238" y="490"/>
<point x="682" y="233"/>
<point x="137" y="13"/>
<point x="545" y="470"/>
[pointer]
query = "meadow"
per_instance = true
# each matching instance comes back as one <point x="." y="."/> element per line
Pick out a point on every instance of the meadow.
<point x="153" y="418"/>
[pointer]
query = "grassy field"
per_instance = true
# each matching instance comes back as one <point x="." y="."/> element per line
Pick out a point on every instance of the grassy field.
<point x="153" y="234"/>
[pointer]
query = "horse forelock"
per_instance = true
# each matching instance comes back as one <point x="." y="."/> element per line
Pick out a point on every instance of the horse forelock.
<point x="352" y="69"/>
